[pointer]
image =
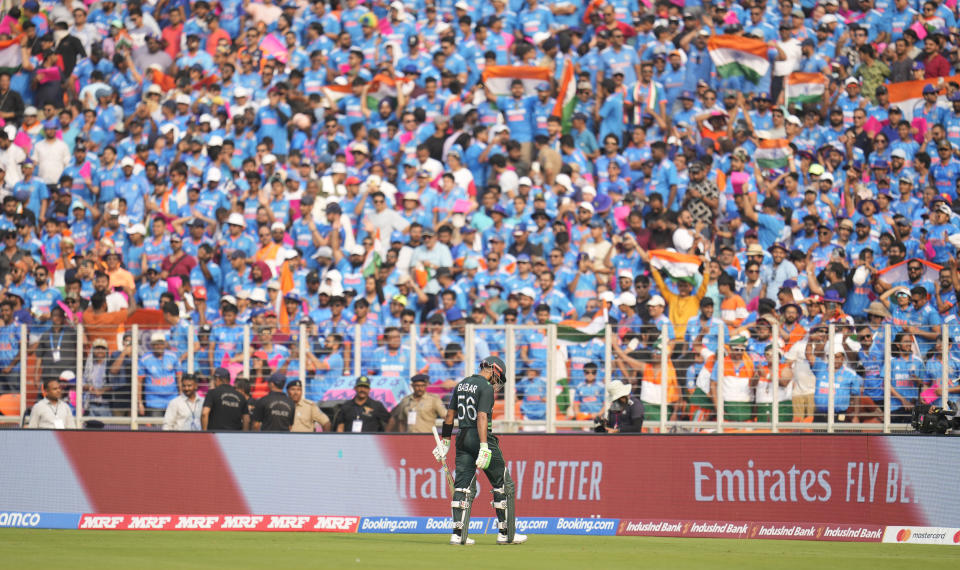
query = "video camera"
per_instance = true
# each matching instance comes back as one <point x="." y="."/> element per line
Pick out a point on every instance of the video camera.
<point x="928" y="418"/>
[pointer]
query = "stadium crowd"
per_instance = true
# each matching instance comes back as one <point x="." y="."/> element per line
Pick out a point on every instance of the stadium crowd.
<point x="371" y="169"/>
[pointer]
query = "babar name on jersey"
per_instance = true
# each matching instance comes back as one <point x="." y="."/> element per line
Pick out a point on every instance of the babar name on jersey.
<point x="466" y="387"/>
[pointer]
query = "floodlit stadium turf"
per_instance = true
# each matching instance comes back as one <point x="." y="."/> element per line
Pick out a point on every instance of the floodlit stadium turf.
<point x="166" y="549"/>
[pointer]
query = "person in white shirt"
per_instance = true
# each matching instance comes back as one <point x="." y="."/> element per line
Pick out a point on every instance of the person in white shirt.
<point x="51" y="413"/>
<point x="184" y="412"/>
<point x="51" y="154"/>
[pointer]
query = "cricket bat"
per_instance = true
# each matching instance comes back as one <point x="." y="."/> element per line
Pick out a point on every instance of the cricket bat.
<point x="443" y="464"/>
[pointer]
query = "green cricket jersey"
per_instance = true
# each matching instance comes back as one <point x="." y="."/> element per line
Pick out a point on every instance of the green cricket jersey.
<point x="471" y="396"/>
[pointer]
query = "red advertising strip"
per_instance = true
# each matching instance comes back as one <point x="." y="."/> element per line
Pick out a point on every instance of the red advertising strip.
<point x="758" y="530"/>
<point x="301" y="523"/>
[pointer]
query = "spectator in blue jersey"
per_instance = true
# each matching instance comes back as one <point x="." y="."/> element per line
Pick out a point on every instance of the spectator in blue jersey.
<point x="159" y="377"/>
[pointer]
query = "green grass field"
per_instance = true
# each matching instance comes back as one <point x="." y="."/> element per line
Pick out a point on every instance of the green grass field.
<point x="169" y="550"/>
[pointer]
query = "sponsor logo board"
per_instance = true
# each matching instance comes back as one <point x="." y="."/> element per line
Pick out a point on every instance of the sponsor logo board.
<point x="18" y="519"/>
<point x="755" y="530"/>
<point x="922" y="535"/>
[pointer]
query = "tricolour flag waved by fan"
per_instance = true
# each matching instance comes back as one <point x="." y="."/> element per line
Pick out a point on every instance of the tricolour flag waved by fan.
<point x="773" y="154"/>
<point x="571" y="331"/>
<point x="805" y="87"/>
<point x="908" y="95"/>
<point x="10" y="59"/>
<point x="498" y="78"/>
<point x="673" y="263"/>
<point x="897" y="273"/>
<point x="737" y="56"/>
<point x="336" y="92"/>
<point x="383" y="86"/>
<point x="566" y="97"/>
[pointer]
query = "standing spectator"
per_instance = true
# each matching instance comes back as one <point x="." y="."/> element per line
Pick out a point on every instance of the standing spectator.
<point x="184" y="412"/>
<point x="159" y="377"/>
<point x="361" y="414"/>
<point x="225" y="407"/>
<point x="307" y="415"/>
<point x="275" y="411"/>
<point x="419" y="411"/>
<point x="51" y="412"/>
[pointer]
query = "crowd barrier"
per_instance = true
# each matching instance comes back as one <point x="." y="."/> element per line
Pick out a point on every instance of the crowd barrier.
<point x="546" y="389"/>
<point x="830" y="487"/>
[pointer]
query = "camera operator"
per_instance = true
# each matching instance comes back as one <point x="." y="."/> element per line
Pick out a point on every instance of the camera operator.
<point x="625" y="414"/>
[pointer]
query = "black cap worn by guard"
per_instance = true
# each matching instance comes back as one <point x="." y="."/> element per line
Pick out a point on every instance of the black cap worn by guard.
<point x="278" y="379"/>
<point x="420" y="378"/>
<point x="221" y="374"/>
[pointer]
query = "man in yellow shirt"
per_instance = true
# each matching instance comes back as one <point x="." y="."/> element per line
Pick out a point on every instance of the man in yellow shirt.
<point x="683" y="305"/>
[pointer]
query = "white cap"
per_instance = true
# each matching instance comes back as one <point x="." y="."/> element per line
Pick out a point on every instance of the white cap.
<point x="588" y="189"/>
<point x="113" y="212"/>
<point x="258" y="295"/>
<point x="625" y="272"/>
<point x="236" y="219"/>
<point x="826" y="176"/>
<point x="278" y="226"/>
<point x="154" y="88"/>
<point x="290" y="254"/>
<point x="127" y="161"/>
<point x="31" y="110"/>
<point x="564" y="180"/>
<point x="461" y="5"/>
<point x="627" y="298"/>
<point x="68" y="376"/>
<point x="243" y="294"/>
<point x="214" y="175"/>
<point x="655" y="301"/>
<point x="525" y="181"/>
<point x="137" y="228"/>
<point x="338" y="168"/>
<point x="851" y="81"/>
<point x="586" y="206"/>
<point x="334" y="276"/>
<point x="157" y="336"/>
<point x="228" y="299"/>
<point x="205" y="118"/>
<point x="527" y="292"/>
<point x="357" y="249"/>
<point x="397" y="5"/>
<point x="269" y="158"/>
<point x="241" y="92"/>
<point x="183" y="99"/>
<point x="360" y="147"/>
<point x="411" y="196"/>
<point x="273" y="284"/>
<point x="795" y="120"/>
<point x="215" y="140"/>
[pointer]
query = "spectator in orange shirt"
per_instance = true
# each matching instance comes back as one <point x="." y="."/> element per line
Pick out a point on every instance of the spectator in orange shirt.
<point x="733" y="309"/>
<point x="119" y="277"/>
<point x="216" y="33"/>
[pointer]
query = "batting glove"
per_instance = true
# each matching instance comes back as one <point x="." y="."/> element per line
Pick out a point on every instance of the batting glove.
<point x="440" y="451"/>
<point x="483" y="458"/>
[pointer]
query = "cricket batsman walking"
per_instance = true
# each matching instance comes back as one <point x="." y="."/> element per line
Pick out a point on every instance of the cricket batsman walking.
<point x="477" y="448"/>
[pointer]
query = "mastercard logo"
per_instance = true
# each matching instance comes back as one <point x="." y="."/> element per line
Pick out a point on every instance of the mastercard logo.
<point x="904" y="535"/>
<point x="956" y="538"/>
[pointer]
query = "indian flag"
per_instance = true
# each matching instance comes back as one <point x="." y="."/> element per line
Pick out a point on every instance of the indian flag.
<point x="10" y="60"/>
<point x="738" y="56"/>
<point x="674" y="264"/>
<point x="382" y="86"/>
<point x="773" y="154"/>
<point x="805" y="88"/>
<point x="575" y="332"/>
<point x="498" y="78"/>
<point x="566" y="97"/>
<point x="336" y="92"/>
<point x="908" y="95"/>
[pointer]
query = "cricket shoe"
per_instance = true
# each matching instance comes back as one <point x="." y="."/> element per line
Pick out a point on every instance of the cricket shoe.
<point x="455" y="539"/>
<point x="517" y="539"/>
